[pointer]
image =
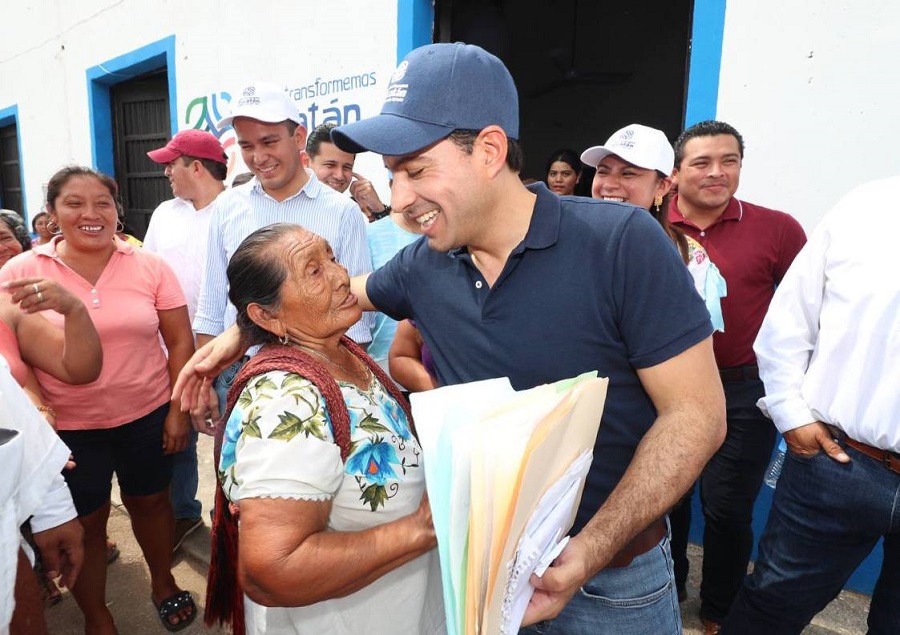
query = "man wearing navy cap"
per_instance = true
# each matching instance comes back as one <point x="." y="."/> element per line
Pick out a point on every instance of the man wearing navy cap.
<point x="500" y="289"/>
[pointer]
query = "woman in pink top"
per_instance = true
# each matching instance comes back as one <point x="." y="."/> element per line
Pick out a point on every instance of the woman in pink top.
<point x="122" y="422"/>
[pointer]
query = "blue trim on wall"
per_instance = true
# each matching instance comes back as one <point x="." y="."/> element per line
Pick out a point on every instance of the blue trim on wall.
<point x="415" y="24"/>
<point x="159" y="54"/>
<point x="706" y="60"/>
<point x="10" y="116"/>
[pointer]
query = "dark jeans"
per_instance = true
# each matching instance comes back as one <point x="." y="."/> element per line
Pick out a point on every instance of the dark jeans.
<point x="680" y="520"/>
<point x="728" y="488"/>
<point x="826" y="517"/>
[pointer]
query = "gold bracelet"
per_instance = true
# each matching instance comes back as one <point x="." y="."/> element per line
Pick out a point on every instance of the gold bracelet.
<point x="48" y="410"/>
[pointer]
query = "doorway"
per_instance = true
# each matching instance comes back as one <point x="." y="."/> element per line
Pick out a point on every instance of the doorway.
<point x="140" y="121"/>
<point x="10" y="170"/>
<point x="583" y="68"/>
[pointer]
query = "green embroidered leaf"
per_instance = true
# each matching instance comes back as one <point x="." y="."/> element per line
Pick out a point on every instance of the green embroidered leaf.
<point x="264" y="384"/>
<point x="244" y="400"/>
<point x="291" y="425"/>
<point x="292" y="381"/>
<point x="251" y="429"/>
<point x="353" y="446"/>
<point x="372" y="425"/>
<point x="373" y="496"/>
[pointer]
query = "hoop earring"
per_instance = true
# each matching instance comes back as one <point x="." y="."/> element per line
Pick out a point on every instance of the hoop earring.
<point x="53" y="230"/>
<point x="120" y="227"/>
<point x="284" y="339"/>
<point x="657" y="202"/>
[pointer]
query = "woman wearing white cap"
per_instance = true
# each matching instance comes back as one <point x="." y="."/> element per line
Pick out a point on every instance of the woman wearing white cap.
<point x="635" y="167"/>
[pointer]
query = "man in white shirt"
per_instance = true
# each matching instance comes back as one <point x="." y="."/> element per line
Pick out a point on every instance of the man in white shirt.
<point x="272" y="138"/>
<point x="196" y="167"/>
<point x="32" y="486"/>
<point x="829" y="355"/>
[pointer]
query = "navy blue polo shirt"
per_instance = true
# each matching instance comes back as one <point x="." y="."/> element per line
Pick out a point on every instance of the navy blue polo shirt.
<point x="593" y="286"/>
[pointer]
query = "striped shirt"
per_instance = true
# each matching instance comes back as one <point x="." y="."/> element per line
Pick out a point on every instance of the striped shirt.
<point x="241" y="211"/>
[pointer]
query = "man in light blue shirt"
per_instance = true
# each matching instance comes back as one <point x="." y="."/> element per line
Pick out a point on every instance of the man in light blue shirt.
<point x="271" y="138"/>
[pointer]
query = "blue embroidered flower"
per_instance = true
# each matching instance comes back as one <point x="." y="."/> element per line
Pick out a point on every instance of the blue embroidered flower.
<point x="373" y="462"/>
<point x="233" y="429"/>
<point x="396" y="417"/>
<point x="355" y="418"/>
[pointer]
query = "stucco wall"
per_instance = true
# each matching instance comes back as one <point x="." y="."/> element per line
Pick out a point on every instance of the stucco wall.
<point x="813" y="88"/>
<point x="47" y="47"/>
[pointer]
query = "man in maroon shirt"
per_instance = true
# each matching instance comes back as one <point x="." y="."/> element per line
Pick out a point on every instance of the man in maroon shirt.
<point x="753" y="247"/>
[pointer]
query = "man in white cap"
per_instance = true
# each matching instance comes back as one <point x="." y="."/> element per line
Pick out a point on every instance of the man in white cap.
<point x="196" y="167"/>
<point x="271" y="138"/>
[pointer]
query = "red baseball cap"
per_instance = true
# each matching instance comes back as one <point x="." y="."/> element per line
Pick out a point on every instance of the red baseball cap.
<point x="192" y="143"/>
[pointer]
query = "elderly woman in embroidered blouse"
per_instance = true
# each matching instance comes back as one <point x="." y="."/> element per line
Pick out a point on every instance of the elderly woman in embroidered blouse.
<point x="319" y="454"/>
<point x="120" y="423"/>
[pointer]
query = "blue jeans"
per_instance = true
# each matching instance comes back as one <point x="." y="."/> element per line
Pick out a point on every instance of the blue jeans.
<point x="826" y="517"/>
<point x="183" y="488"/>
<point x="225" y="380"/>
<point x="635" y="600"/>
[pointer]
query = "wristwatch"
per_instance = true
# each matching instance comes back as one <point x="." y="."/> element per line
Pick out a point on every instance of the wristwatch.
<point x="385" y="212"/>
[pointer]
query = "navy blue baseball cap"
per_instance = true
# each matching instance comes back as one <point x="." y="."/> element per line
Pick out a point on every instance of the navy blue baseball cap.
<point x="435" y="90"/>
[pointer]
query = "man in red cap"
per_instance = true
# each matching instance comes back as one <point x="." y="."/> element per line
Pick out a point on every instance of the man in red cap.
<point x="196" y="167"/>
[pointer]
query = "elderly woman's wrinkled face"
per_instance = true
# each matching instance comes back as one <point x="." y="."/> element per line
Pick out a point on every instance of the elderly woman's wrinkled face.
<point x="315" y="299"/>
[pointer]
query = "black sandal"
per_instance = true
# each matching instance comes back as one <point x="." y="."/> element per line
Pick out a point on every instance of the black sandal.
<point x="172" y="605"/>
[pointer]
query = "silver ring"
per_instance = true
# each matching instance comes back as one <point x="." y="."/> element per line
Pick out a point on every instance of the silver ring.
<point x="36" y="288"/>
<point x="40" y="297"/>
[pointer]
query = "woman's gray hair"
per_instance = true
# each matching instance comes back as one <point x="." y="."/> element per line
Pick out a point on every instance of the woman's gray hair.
<point x="16" y="225"/>
<point x="256" y="273"/>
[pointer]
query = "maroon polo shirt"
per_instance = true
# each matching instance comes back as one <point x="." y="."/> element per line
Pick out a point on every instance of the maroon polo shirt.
<point x="753" y="247"/>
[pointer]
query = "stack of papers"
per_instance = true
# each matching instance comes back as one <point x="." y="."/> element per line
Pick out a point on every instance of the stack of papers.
<point x="504" y="473"/>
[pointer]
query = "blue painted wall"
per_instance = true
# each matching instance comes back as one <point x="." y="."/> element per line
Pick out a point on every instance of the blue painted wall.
<point x="9" y="116"/>
<point x="707" y="28"/>
<point x="154" y="56"/>
<point x="415" y="20"/>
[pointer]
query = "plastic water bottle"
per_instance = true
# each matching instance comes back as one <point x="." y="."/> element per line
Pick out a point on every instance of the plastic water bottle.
<point x="774" y="469"/>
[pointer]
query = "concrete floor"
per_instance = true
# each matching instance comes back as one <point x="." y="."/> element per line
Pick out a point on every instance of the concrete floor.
<point x="128" y="586"/>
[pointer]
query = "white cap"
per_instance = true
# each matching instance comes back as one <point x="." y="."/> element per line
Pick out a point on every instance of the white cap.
<point x="639" y="145"/>
<point x="263" y="102"/>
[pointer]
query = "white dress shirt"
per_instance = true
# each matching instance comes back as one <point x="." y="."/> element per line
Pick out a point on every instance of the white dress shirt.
<point x="178" y="233"/>
<point x="829" y="347"/>
<point x="242" y="210"/>
<point x="32" y="483"/>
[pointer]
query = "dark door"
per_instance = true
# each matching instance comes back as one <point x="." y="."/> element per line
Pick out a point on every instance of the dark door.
<point x="140" y="114"/>
<point x="583" y="68"/>
<point x="10" y="173"/>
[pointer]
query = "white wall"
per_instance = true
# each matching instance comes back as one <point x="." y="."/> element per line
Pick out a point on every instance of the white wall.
<point x="813" y="88"/>
<point x="48" y="45"/>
